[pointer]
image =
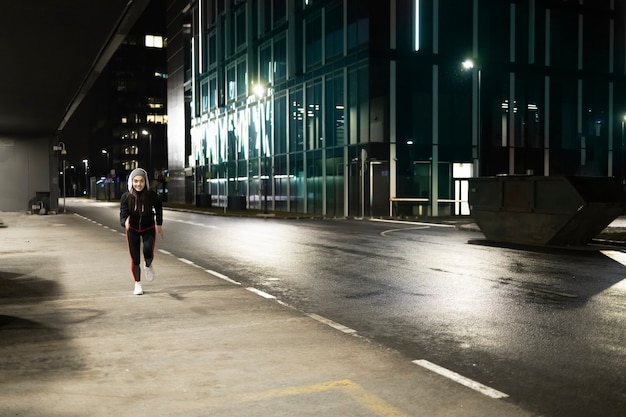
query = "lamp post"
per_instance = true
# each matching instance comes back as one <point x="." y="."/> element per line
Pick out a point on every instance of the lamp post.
<point x="104" y="151"/>
<point x="260" y="92"/>
<point x="469" y="64"/>
<point x="149" y="164"/>
<point x="622" y="153"/>
<point x="64" y="190"/>
<point x="61" y="147"/>
<point x="86" y="163"/>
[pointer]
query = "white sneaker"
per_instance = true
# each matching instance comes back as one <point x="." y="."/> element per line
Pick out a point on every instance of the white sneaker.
<point x="138" y="289"/>
<point x="149" y="273"/>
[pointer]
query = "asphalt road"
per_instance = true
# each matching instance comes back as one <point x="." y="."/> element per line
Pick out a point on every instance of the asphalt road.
<point x="544" y="326"/>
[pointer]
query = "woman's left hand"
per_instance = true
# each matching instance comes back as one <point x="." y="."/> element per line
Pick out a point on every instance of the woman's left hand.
<point x="159" y="230"/>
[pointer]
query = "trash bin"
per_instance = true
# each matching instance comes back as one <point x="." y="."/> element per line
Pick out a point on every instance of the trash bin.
<point x="236" y="202"/>
<point x="534" y="210"/>
<point x="43" y="199"/>
<point x="203" y="200"/>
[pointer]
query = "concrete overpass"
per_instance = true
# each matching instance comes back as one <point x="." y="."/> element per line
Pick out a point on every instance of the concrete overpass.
<point x="51" y="53"/>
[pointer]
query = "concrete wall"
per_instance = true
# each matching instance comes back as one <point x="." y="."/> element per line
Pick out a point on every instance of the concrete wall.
<point x="26" y="169"/>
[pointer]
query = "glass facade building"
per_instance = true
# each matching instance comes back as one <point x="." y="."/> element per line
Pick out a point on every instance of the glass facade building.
<point x="353" y="108"/>
<point x="126" y="110"/>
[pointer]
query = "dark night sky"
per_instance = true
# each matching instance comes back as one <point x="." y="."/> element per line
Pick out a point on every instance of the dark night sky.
<point x="76" y="135"/>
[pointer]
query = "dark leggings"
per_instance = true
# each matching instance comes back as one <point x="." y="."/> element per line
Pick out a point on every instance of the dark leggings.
<point x="134" y="238"/>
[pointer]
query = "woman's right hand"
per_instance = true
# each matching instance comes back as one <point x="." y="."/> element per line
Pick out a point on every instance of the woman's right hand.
<point x="127" y="222"/>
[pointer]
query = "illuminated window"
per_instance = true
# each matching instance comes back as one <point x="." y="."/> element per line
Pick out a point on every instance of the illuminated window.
<point x="130" y="165"/>
<point x="231" y="83"/>
<point x="131" y="150"/>
<point x="156" y="118"/>
<point x="155" y="103"/>
<point x="124" y="120"/>
<point x="154" y="41"/>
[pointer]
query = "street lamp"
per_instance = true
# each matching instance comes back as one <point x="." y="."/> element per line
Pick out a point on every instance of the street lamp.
<point x="104" y="151"/>
<point x="149" y="164"/>
<point x="260" y="92"/>
<point x="468" y="65"/>
<point x="86" y="162"/>
<point x="61" y="147"/>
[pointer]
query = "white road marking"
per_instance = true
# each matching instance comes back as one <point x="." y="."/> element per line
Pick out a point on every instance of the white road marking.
<point x="401" y="230"/>
<point x="208" y="226"/>
<point x="620" y="257"/>
<point x="616" y="255"/>
<point x="408" y="222"/>
<point x="331" y="323"/>
<point x="261" y="293"/>
<point x="477" y="386"/>
<point x="221" y="276"/>
<point x="188" y="262"/>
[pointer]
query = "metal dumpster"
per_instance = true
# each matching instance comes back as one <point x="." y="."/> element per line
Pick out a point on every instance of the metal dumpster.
<point x="535" y="210"/>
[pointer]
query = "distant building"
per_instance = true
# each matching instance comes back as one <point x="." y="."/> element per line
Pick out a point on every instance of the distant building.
<point x="378" y="108"/>
<point x="128" y="108"/>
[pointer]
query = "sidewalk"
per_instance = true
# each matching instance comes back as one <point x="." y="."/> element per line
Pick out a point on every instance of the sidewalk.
<point x="74" y="342"/>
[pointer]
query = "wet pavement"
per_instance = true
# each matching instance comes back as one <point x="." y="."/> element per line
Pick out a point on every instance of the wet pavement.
<point x="75" y="341"/>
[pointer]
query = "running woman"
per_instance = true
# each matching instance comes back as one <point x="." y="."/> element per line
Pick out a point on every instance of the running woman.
<point x="141" y="213"/>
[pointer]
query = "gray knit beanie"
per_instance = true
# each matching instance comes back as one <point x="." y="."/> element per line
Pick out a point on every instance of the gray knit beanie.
<point x="134" y="173"/>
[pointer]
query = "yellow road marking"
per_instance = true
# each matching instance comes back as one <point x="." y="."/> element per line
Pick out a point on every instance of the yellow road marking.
<point x="370" y="401"/>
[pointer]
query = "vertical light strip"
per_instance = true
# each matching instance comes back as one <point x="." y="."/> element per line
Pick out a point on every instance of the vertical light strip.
<point x="579" y="124"/>
<point x="546" y="101"/>
<point x="531" y="32"/>
<point x="392" y="134"/>
<point x="434" y="172"/>
<point x="477" y="60"/>
<point x="346" y="160"/>
<point x="512" y="34"/>
<point x="611" y="93"/>
<point x="610" y="144"/>
<point x="435" y="26"/>
<point x="392" y="107"/>
<point x="512" y="103"/>
<point x="546" y="127"/>
<point x="580" y="41"/>
<point x="416" y="24"/>
<point x="392" y="24"/>
<point x="476" y="90"/>
<point x="194" y="73"/>
<point x="512" y="106"/>
<point x="200" y="36"/>
<point x="623" y="16"/>
<point x="548" y="38"/>
<point x="611" y="46"/>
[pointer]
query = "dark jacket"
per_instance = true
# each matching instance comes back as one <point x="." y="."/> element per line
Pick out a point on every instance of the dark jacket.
<point x="140" y="221"/>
